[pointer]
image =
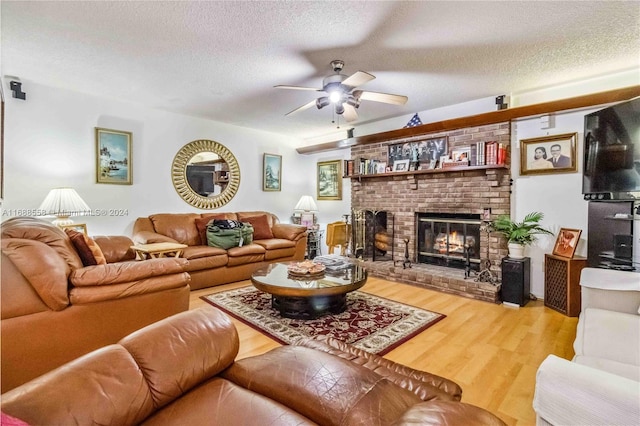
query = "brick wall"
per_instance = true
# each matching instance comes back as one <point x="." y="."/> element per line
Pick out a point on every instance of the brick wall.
<point x="448" y="192"/>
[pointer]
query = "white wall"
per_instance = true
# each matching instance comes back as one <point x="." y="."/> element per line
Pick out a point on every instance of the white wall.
<point x="50" y="142"/>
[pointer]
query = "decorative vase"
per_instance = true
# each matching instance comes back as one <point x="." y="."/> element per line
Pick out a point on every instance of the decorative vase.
<point x="516" y="251"/>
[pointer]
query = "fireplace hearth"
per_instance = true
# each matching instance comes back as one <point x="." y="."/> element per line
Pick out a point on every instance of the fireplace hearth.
<point x="449" y="239"/>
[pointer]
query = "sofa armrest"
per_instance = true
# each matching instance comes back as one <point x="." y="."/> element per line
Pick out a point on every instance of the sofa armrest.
<point x="288" y="231"/>
<point x="148" y="237"/>
<point x="123" y="272"/>
<point x="425" y="385"/>
<point x="610" y="290"/>
<point x="570" y="393"/>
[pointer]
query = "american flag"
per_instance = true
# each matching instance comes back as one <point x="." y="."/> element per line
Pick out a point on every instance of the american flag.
<point x="415" y="121"/>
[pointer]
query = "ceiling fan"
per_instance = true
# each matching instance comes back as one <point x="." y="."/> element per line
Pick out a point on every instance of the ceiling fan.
<point x="341" y="92"/>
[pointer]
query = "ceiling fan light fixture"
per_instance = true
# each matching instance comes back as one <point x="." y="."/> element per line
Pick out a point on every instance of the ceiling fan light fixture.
<point x="339" y="109"/>
<point x="322" y="102"/>
<point x="335" y="96"/>
<point x="353" y="101"/>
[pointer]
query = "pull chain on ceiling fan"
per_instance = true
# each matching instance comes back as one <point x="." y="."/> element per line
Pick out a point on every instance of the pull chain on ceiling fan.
<point x="341" y="92"/>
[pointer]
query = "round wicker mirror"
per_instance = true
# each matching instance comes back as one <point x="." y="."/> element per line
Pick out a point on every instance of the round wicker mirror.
<point x="205" y="174"/>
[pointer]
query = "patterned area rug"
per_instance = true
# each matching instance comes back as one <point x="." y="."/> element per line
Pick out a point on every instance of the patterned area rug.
<point x="371" y="323"/>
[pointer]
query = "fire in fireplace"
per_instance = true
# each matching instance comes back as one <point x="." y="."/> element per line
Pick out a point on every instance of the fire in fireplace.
<point x="449" y="239"/>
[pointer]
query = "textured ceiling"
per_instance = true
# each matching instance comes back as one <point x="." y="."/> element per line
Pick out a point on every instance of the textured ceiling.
<point x="220" y="60"/>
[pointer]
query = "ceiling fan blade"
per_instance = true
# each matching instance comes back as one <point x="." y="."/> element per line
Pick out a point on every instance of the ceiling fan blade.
<point x="350" y="113"/>
<point x="297" y="88"/>
<point x="387" y="98"/>
<point x="358" y="78"/>
<point x="303" y="107"/>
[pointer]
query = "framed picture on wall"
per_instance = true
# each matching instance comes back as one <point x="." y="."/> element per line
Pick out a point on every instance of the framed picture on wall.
<point x="422" y="151"/>
<point x="329" y="180"/>
<point x="567" y="242"/>
<point x="271" y="172"/>
<point x="549" y="155"/>
<point x="113" y="157"/>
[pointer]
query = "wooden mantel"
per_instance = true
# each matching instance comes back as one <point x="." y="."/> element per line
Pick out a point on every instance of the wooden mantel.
<point x="492" y="117"/>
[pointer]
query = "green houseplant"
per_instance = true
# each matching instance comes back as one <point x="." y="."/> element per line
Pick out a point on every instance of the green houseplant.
<point x="520" y="234"/>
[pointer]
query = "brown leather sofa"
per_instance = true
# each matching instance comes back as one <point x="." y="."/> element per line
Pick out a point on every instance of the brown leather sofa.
<point x="181" y="370"/>
<point x="210" y="266"/>
<point x="54" y="309"/>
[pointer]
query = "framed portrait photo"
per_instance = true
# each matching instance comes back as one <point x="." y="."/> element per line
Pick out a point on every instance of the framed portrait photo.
<point x="113" y="157"/>
<point x="549" y="155"/>
<point x="271" y="172"/>
<point x="567" y="242"/>
<point x="329" y="180"/>
<point x="401" y="166"/>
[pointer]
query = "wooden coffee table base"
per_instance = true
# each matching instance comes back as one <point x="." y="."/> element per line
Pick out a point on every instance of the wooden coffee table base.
<point x="309" y="307"/>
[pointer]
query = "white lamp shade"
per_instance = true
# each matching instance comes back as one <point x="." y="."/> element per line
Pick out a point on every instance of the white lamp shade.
<point x="306" y="204"/>
<point x="63" y="202"/>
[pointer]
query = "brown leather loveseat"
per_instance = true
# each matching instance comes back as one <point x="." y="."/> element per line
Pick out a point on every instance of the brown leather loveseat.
<point x="210" y="266"/>
<point x="181" y="371"/>
<point x="54" y="309"/>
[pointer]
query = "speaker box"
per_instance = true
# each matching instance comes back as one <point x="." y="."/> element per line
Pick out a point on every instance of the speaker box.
<point x="516" y="280"/>
<point x="623" y="246"/>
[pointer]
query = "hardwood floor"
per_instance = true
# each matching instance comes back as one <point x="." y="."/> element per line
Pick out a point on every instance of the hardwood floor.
<point x="491" y="351"/>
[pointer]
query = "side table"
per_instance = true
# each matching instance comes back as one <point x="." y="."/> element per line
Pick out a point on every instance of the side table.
<point x="562" y="283"/>
<point x="157" y="250"/>
<point x="314" y="239"/>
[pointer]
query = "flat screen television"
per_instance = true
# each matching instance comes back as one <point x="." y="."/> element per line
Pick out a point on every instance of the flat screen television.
<point x="611" y="168"/>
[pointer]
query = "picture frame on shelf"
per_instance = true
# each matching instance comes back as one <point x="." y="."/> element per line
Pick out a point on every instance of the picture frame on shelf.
<point x="114" y="161"/>
<point x="79" y="227"/>
<point x="381" y="167"/>
<point x="271" y="172"/>
<point x="329" y="180"/>
<point x="307" y="219"/>
<point x="401" y="166"/>
<point x="549" y="154"/>
<point x="422" y="150"/>
<point x="461" y="154"/>
<point x="443" y="159"/>
<point x="567" y="242"/>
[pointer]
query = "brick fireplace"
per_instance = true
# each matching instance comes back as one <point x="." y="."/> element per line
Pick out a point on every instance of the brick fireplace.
<point x="465" y="193"/>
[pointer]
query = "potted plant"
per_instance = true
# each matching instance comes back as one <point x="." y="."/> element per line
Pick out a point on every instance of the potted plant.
<point x="520" y="234"/>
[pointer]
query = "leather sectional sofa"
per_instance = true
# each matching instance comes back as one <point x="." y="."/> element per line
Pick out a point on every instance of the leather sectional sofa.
<point x="210" y="266"/>
<point x="55" y="309"/>
<point x="182" y="370"/>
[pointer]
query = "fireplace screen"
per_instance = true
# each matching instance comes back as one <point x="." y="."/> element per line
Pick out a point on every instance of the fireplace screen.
<point x="449" y="240"/>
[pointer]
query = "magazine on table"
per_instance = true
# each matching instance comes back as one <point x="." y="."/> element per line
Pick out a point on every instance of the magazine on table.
<point x="333" y="262"/>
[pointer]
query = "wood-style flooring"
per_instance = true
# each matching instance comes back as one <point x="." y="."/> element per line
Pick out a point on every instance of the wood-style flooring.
<point x="491" y="351"/>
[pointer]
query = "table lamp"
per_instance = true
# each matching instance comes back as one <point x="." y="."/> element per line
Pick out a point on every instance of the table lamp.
<point x="307" y="207"/>
<point x="63" y="202"/>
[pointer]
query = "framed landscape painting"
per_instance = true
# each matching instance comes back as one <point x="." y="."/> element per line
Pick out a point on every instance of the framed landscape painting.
<point x="113" y="157"/>
<point x="271" y="172"/>
<point x="330" y="180"/>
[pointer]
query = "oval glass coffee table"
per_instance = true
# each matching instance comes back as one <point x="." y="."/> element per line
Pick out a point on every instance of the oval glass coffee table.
<point x="308" y="297"/>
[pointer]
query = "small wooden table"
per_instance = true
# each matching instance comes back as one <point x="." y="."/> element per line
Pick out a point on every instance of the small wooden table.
<point x="157" y="250"/>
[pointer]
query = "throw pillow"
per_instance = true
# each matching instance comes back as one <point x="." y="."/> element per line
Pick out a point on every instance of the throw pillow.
<point x="88" y="250"/>
<point x="202" y="222"/>
<point x="261" y="228"/>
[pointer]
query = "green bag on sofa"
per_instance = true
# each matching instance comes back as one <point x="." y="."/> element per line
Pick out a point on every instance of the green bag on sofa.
<point x="229" y="233"/>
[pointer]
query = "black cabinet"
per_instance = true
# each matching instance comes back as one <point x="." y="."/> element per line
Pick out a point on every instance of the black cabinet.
<point x="610" y="235"/>
<point x="516" y="280"/>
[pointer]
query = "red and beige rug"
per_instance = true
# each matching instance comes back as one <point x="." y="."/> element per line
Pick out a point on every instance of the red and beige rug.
<point x="371" y="323"/>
